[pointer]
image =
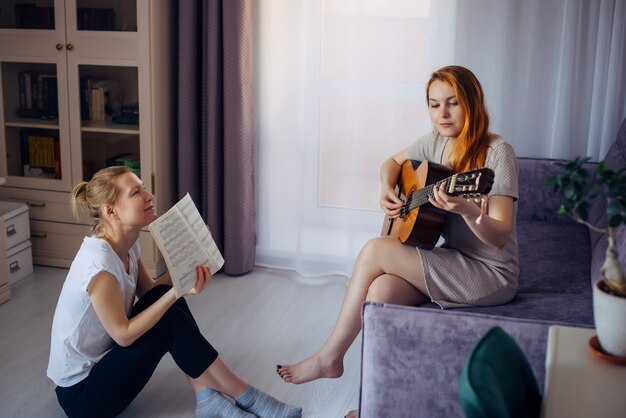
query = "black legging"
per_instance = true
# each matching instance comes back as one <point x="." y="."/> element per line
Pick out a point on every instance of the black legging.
<point x="123" y="372"/>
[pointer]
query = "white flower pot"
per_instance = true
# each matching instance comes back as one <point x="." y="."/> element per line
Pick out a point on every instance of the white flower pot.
<point x="609" y="313"/>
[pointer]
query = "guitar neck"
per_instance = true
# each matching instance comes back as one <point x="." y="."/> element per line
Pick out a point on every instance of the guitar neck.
<point x="469" y="184"/>
<point x="420" y="197"/>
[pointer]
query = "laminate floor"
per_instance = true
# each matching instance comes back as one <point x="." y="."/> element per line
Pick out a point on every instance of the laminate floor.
<point x="255" y="321"/>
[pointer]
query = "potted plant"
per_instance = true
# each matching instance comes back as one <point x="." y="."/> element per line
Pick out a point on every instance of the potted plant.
<point x="578" y="190"/>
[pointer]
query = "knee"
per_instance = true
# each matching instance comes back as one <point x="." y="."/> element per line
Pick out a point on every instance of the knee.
<point x="379" y="291"/>
<point x="377" y="251"/>
<point x="374" y="248"/>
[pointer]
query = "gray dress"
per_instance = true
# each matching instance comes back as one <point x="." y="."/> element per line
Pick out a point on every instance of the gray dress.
<point x="465" y="271"/>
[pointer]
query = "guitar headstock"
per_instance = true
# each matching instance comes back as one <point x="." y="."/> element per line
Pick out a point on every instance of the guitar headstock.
<point x="471" y="184"/>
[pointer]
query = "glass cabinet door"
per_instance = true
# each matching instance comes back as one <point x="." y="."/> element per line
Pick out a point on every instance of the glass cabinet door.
<point x="109" y="118"/>
<point x="34" y="131"/>
<point x="103" y="84"/>
<point x="70" y="89"/>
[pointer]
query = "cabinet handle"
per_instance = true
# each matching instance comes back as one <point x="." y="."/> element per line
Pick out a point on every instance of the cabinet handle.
<point x="59" y="47"/>
<point x="11" y="230"/>
<point x="36" y="205"/>
<point x="38" y="235"/>
<point x="14" y="266"/>
<point x="70" y="47"/>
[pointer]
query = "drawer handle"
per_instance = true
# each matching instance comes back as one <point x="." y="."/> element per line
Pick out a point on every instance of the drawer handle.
<point x="14" y="266"/>
<point x="38" y="235"/>
<point x="11" y="230"/>
<point x="36" y="205"/>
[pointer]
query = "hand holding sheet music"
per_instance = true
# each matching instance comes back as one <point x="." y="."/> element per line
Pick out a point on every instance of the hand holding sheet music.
<point x="185" y="242"/>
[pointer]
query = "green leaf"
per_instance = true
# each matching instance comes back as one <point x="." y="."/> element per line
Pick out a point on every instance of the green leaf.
<point x="616" y="220"/>
<point x="570" y="192"/>
<point x="613" y="208"/>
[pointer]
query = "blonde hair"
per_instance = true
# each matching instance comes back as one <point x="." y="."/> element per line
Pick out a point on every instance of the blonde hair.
<point x="470" y="147"/>
<point x="92" y="195"/>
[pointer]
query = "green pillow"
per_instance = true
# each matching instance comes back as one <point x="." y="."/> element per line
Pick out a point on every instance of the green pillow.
<point x="497" y="381"/>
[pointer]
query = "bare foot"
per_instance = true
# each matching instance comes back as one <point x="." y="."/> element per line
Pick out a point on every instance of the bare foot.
<point x="353" y="414"/>
<point x="309" y="369"/>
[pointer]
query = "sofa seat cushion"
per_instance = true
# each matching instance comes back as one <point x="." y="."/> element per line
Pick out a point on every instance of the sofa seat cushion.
<point x="568" y="309"/>
<point x="554" y="257"/>
<point x="554" y="281"/>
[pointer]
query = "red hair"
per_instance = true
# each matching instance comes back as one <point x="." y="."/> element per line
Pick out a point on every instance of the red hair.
<point x="470" y="148"/>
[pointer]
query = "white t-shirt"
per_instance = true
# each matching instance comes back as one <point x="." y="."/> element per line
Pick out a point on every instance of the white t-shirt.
<point x="78" y="339"/>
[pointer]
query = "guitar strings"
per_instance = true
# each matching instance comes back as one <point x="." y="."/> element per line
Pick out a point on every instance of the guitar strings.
<point x="420" y="197"/>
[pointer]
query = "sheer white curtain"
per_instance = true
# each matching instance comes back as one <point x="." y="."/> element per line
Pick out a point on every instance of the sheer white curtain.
<point x="554" y="71"/>
<point x="340" y="87"/>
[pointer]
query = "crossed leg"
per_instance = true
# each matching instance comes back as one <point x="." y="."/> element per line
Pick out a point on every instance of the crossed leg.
<point x="385" y="271"/>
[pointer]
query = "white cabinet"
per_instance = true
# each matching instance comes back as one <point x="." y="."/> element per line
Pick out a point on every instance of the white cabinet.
<point x="83" y="84"/>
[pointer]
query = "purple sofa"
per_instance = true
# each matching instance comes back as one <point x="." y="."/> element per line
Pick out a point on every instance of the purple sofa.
<point x="412" y="357"/>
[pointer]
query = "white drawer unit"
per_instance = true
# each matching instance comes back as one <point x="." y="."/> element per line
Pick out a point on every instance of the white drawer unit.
<point x="19" y="261"/>
<point x="16" y="224"/>
<point x="16" y="260"/>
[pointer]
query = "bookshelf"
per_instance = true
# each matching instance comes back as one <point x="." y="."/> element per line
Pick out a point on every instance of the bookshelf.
<point x="83" y="84"/>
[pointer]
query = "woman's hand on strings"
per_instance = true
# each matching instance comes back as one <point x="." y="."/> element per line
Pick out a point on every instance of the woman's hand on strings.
<point x="454" y="204"/>
<point x="390" y="203"/>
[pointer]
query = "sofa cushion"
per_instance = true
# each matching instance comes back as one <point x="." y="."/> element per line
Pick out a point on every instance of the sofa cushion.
<point x="554" y="275"/>
<point x="497" y="380"/>
<point x="536" y="201"/>
<point x="564" y="308"/>
<point x="553" y="257"/>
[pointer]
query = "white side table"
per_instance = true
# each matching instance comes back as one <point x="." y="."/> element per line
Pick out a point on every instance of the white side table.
<point x="579" y="384"/>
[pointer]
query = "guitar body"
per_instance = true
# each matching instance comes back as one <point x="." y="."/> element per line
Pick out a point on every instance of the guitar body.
<point x="420" y="227"/>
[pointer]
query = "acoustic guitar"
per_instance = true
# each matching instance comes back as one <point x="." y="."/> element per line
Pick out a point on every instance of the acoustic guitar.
<point x="420" y="223"/>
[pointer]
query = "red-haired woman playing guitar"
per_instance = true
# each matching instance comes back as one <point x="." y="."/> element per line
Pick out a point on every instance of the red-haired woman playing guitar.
<point x="477" y="264"/>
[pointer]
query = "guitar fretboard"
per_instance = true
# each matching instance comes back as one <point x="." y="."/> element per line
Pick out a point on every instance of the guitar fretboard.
<point x="465" y="184"/>
<point x="420" y="197"/>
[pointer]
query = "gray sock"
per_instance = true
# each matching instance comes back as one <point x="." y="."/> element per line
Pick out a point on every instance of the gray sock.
<point x="212" y="404"/>
<point x="263" y="405"/>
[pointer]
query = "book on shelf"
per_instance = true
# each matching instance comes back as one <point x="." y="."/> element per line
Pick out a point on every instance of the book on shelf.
<point x="100" y="98"/>
<point x="41" y="154"/>
<point x="48" y="98"/>
<point x="38" y="95"/>
<point x="185" y="242"/>
<point x="92" y="18"/>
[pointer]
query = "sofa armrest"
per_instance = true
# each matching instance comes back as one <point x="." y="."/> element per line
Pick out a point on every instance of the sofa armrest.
<point x="412" y="357"/>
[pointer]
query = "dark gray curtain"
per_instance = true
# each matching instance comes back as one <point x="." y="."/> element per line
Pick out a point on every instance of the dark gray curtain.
<point x="215" y="135"/>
